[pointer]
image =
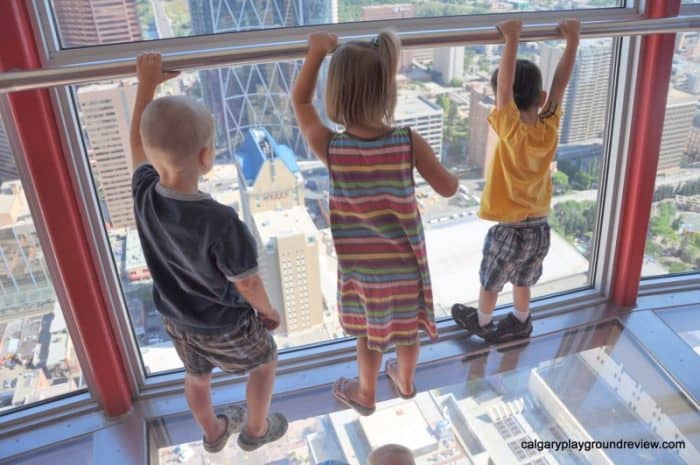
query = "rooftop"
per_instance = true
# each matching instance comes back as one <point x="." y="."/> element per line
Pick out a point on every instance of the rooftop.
<point x="257" y="147"/>
<point x="410" y="106"/>
<point x="282" y="223"/>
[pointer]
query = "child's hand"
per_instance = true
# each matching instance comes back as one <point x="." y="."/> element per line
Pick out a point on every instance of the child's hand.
<point x="570" y="29"/>
<point x="510" y="29"/>
<point x="149" y="70"/>
<point x="271" y="320"/>
<point x="322" y="42"/>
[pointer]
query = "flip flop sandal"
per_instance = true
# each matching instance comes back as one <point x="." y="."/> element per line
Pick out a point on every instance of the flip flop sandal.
<point x="395" y="382"/>
<point x="339" y="393"/>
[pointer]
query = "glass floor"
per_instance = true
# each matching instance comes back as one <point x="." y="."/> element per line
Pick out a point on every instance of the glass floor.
<point x="591" y="395"/>
<point x="685" y="323"/>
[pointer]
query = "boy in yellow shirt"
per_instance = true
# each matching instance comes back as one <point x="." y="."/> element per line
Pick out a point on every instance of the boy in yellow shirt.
<point x="518" y="189"/>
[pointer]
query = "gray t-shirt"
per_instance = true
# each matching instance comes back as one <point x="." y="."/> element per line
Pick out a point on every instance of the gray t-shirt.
<point x="194" y="247"/>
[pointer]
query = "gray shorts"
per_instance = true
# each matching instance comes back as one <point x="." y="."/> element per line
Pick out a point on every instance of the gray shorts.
<point x="514" y="252"/>
<point x="239" y="351"/>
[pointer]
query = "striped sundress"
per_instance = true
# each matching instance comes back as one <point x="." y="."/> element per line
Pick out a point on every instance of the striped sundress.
<point x="384" y="290"/>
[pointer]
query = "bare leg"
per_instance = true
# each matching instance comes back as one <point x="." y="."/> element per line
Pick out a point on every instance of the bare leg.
<point x="487" y="300"/>
<point x="198" y="395"/>
<point x="259" y="395"/>
<point x="408" y="359"/>
<point x="369" y="362"/>
<point x="521" y="298"/>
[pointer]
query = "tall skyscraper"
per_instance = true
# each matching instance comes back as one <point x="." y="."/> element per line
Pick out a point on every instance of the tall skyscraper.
<point x="93" y="22"/>
<point x="8" y="169"/>
<point x="272" y="200"/>
<point x="248" y="96"/>
<point x="482" y="139"/>
<point x="288" y="256"/>
<point x="587" y="94"/>
<point x="680" y="111"/>
<point x="422" y="116"/>
<point x="449" y="62"/>
<point x="105" y="112"/>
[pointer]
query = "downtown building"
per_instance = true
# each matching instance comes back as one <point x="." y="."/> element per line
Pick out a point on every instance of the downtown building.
<point x="93" y="22"/>
<point x="585" y="102"/>
<point x="272" y="201"/>
<point x="678" y="122"/>
<point x="105" y="114"/>
<point x="25" y="284"/>
<point x="448" y="62"/>
<point x="422" y="116"/>
<point x="482" y="139"/>
<point x="249" y="96"/>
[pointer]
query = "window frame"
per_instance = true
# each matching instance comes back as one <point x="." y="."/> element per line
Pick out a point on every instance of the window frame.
<point x="620" y="98"/>
<point x="673" y="281"/>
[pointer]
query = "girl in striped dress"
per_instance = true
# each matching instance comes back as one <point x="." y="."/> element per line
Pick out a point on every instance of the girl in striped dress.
<point x="384" y="292"/>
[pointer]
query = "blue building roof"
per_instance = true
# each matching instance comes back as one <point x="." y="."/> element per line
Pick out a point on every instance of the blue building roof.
<point x="258" y="145"/>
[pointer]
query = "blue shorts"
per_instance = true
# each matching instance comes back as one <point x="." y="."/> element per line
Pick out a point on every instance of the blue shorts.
<point x="514" y="252"/>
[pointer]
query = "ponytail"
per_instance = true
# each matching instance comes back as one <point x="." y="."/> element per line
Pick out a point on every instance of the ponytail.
<point x="389" y="49"/>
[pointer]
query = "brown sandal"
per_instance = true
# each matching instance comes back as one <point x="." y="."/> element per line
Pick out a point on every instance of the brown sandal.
<point x="395" y="382"/>
<point x="340" y="394"/>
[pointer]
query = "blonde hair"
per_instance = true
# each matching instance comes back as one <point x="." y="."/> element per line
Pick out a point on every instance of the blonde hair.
<point x="391" y="454"/>
<point x="177" y="126"/>
<point x="361" y="87"/>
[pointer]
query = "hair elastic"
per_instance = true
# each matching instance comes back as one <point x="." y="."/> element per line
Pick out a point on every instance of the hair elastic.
<point x="374" y="42"/>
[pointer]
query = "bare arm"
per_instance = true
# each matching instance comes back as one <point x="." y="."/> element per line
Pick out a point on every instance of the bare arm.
<point x="506" y="70"/>
<point x="149" y="69"/>
<point x="253" y="291"/>
<point x="315" y="133"/>
<point x="570" y="29"/>
<point x="444" y="182"/>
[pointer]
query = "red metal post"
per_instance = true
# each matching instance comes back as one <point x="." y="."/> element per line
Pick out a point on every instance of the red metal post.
<point x="40" y="139"/>
<point x="655" y="62"/>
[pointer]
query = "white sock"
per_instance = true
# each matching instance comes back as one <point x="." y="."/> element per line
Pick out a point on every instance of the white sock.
<point x="521" y="316"/>
<point x="484" y="318"/>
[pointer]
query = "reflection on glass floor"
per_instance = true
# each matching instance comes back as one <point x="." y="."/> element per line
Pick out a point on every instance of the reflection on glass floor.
<point x="600" y="386"/>
<point x="685" y="323"/>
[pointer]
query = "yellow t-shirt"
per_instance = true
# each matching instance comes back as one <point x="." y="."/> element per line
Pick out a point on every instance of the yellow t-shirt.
<point x="518" y="178"/>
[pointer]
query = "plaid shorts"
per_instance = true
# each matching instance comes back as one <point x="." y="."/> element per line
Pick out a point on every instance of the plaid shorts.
<point x="240" y="351"/>
<point x="514" y="252"/>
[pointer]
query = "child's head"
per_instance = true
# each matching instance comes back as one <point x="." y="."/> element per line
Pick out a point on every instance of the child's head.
<point x="361" y="87"/>
<point x="527" y="85"/>
<point x="391" y="454"/>
<point x="178" y="135"/>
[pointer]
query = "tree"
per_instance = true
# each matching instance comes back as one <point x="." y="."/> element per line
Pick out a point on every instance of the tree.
<point x="560" y="181"/>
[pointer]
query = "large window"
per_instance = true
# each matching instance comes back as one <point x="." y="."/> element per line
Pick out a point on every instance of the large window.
<point x="92" y="22"/>
<point x="444" y="94"/>
<point x="673" y="240"/>
<point x="37" y="357"/>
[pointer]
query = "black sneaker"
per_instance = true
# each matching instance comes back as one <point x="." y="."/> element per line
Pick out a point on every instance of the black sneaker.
<point x="510" y="328"/>
<point x="468" y="319"/>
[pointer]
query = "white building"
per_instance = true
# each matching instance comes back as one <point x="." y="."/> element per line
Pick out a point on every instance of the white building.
<point x="422" y="116"/>
<point x="678" y="121"/>
<point x="449" y="62"/>
<point x="288" y="258"/>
